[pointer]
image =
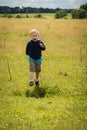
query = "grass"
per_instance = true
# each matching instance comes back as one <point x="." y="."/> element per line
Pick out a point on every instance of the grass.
<point x="47" y="113"/>
<point x="34" y="15"/>
<point x="29" y="15"/>
<point x="63" y="78"/>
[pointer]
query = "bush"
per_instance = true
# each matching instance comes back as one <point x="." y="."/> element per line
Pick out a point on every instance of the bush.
<point x="38" y="16"/>
<point x="78" y="13"/>
<point x="27" y="16"/>
<point x="10" y="16"/>
<point x="18" y="16"/>
<point x="60" y="14"/>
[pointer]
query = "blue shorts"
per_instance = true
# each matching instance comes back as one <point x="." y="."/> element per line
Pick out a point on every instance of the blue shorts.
<point x="36" y="60"/>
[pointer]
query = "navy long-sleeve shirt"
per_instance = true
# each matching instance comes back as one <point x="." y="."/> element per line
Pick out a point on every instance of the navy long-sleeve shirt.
<point x="33" y="49"/>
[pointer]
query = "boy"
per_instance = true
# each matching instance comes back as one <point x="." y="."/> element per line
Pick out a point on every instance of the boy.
<point x="33" y="50"/>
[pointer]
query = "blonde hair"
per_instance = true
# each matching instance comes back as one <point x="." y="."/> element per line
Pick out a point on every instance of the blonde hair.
<point x="34" y="30"/>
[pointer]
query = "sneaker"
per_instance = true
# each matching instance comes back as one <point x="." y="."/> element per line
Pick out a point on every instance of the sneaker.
<point x="37" y="83"/>
<point x="31" y="83"/>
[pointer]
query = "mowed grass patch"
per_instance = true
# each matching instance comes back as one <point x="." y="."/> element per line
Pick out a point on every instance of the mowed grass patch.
<point x="63" y="76"/>
<point x="47" y="113"/>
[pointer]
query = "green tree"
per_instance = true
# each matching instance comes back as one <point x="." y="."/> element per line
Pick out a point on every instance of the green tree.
<point x="84" y="6"/>
<point x="61" y="14"/>
<point x="78" y="13"/>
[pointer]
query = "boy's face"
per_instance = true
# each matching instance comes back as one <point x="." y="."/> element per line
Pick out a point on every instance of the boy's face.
<point x="34" y="36"/>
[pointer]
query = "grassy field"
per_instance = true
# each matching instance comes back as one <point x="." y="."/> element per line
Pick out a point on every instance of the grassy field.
<point x="29" y="15"/>
<point x="63" y="79"/>
<point x="34" y="15"/>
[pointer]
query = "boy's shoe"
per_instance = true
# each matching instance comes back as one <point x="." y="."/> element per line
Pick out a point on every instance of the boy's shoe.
<point x="37" y="83"/>
<point x="31" y="83"/>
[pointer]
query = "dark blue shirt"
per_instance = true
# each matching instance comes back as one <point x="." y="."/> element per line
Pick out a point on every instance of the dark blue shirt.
<point x="33" y="49"/>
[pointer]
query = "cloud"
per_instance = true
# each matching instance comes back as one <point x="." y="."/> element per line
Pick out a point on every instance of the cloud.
<point x="76" y="3"/>
<point x="45" y="3"/>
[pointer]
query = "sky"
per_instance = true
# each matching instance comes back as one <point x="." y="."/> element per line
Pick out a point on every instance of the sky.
<point x="43" y="3"/>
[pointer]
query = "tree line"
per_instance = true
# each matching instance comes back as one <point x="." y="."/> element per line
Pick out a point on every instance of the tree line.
<point x="14" y="10"/>
<point x="79" y="13"/>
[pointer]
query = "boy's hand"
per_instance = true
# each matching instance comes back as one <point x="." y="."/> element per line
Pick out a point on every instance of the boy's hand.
<point x="41" y="45"/>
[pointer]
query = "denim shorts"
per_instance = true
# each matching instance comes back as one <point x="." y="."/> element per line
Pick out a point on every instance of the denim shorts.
<point x="35" y="66"/>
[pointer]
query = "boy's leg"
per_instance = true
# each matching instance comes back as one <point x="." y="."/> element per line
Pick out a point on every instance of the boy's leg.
<point x="37" y="69"/>
<point x="37" y="79"/>
<point x="32" y="75"/>
<point x="32" y="71"/>
<point x="37" y="75"/>
<point x="31" y="79"/>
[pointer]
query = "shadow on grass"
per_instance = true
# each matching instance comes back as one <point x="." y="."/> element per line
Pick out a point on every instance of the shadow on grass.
<point x="40" y="92"/>
<point x="37" y="92"/>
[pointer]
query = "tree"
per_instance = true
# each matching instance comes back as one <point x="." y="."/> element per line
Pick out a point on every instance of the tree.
<point x="78" y="13"/>
<point x="82" y="13"/>
<point x="61" y="14"/>
<point x="84" y="6"/>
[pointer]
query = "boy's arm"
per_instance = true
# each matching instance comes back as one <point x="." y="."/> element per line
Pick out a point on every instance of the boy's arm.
<point x="27" y="49"/>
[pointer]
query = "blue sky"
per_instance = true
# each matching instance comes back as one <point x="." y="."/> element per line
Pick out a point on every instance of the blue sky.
<point x="43" y="3"/>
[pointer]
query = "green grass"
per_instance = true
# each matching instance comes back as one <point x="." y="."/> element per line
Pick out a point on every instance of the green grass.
<point x="62" y="113"/>
<point x="29" y="15"/>
<point x="33" y="15"/>
<point x="63" y="80"/>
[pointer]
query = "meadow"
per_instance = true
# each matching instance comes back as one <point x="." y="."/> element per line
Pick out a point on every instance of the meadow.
<point x="60" y="102"/>
<point x="34" y="15"/>
<point x="29" y="15"/>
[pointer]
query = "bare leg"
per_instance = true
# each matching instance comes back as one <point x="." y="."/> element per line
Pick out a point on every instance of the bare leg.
<point x="31" y="79"/>
<point x="37" y="75"/>
<point x="32" y="76"/>
<point x="37" y="79"/>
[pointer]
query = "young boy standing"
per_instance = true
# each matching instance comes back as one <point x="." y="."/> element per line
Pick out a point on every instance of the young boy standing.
<point x="33" y="50"/>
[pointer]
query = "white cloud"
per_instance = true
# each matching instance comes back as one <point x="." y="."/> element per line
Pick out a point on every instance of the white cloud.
<point x="45" y="3"/>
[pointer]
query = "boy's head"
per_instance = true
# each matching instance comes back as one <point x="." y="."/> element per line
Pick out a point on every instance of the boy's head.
<point x="34" y="34"/>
